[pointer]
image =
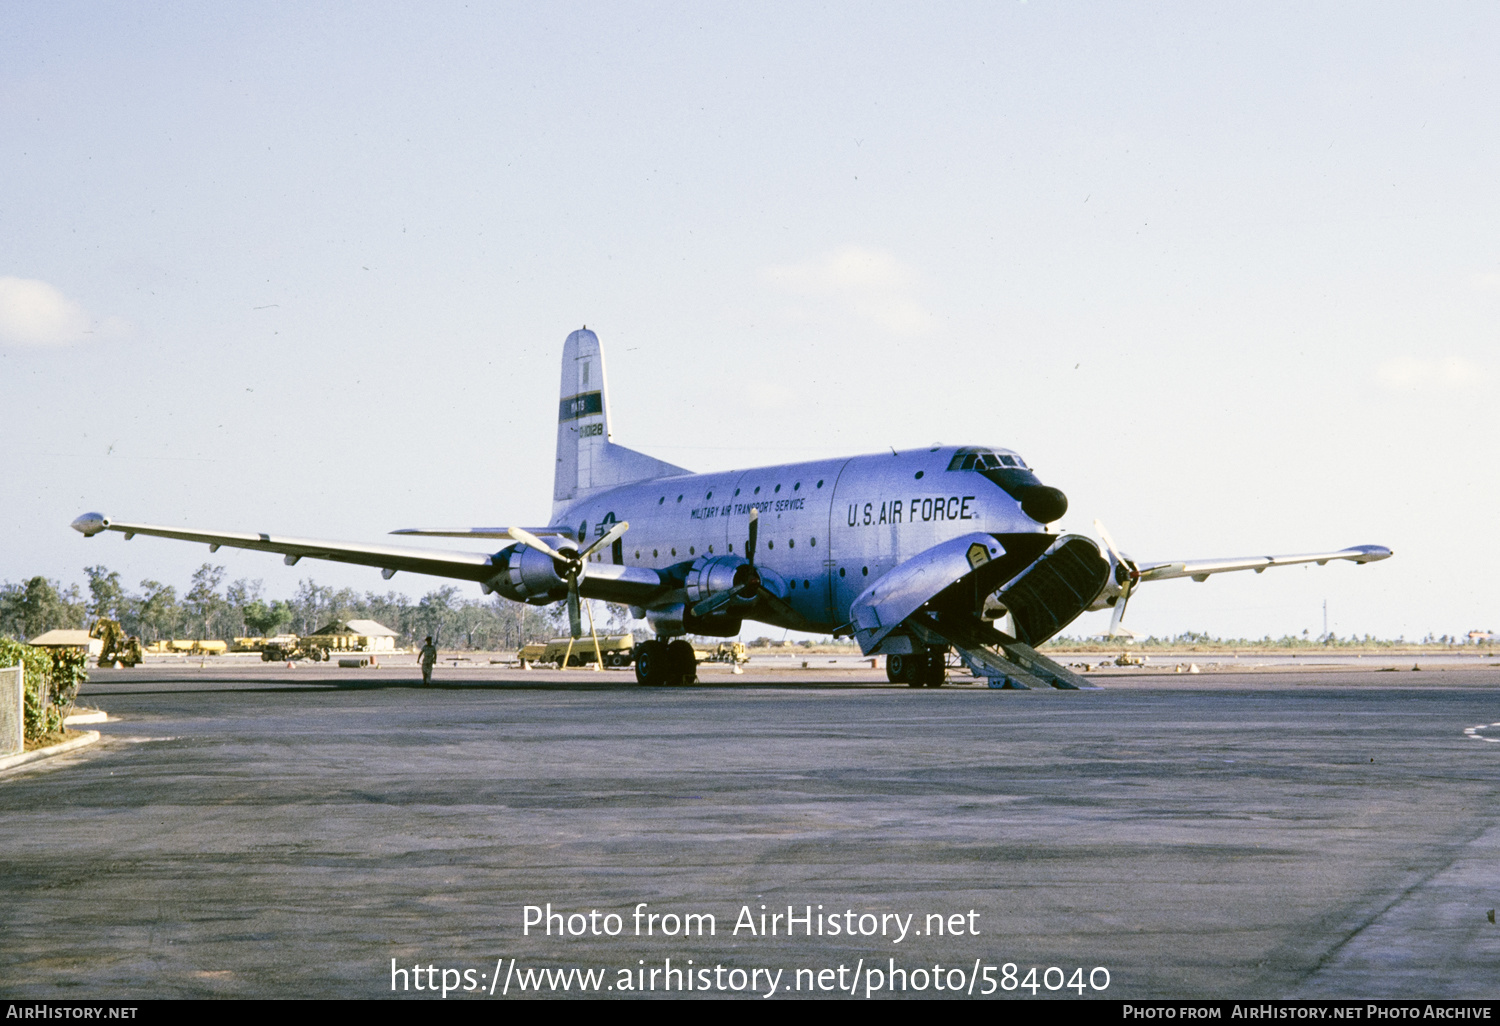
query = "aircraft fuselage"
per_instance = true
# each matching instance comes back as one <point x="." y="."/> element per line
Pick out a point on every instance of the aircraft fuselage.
<point x="828" y="528"/>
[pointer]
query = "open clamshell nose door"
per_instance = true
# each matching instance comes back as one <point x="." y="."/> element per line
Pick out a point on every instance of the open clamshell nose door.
<point x="882" y="606"/>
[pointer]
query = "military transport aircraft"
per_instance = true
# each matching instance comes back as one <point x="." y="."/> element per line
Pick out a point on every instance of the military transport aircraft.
<point x="912" y="553"/>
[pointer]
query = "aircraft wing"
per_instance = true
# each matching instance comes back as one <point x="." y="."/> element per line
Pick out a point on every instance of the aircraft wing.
<point x="1200" y="569"/>
<point x="486" y="532"/>
<point x="613" y="583"/>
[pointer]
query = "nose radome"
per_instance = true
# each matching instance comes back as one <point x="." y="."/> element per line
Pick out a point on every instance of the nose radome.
<point x="1044" y="504"/>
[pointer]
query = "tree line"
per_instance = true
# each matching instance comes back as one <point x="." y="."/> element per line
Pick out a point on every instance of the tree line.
<point x="214" y="610"/>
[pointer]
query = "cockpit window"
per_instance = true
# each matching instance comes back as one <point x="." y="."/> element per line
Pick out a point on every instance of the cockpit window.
<point x="984" y="459"/>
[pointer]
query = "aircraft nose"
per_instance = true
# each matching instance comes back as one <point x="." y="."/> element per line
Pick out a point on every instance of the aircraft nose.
<point x="1044" y="504"/>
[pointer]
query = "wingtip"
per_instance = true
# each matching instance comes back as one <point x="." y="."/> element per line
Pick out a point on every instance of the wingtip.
<point x="1372" y="553"/>
<point x="90" y="524"/>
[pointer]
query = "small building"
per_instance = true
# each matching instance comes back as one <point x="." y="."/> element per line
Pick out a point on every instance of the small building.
<point x="355" y="636"/>
<point x="77" y="640"/>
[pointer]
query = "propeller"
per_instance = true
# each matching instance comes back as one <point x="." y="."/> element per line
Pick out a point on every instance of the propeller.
<point x="748" y="584"/>
<point x="1127" y="575"/>
<point x="747" y="581"/>
<point x="570" y="565"/>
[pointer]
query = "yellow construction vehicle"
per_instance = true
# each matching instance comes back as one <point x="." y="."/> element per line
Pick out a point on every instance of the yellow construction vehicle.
<point x="118" y="646"/>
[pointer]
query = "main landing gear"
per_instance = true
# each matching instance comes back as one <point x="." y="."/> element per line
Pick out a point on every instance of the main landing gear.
<point x="923" y="668"/>
<point x="660" y="662"/>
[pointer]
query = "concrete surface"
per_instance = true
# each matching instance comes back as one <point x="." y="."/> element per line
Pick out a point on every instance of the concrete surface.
<point x="20" y="759"/>
<point x="259" y="831"/>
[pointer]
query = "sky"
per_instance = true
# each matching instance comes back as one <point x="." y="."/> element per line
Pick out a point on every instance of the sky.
<point x="1227" y="275"/>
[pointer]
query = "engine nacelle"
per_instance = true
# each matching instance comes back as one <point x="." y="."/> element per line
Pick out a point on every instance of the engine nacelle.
<point x="1113" y="588"/>
<point x="714" y="575"/>
<point x="523" y="574"/>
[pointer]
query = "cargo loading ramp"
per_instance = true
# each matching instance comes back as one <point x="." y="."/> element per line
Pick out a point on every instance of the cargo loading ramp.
<point x="996" y="656"/>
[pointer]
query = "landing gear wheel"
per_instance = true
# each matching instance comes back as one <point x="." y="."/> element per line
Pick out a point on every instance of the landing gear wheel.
<point x="906" y="668"/>
<point x="935" y="673"/>
<point x="682" y="662"/>
<point x="651" y="663"/>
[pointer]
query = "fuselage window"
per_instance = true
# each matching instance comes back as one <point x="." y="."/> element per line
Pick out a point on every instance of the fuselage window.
<point x="820" y="484"/>
<point x="813" y="542"/>
<point x="757" y="490"/>
<point x="661" y="500"/>
<point x="791" y="543"/>
<point x="864" y="571"/>
<point x="778" y="488"/>
<point x="797" y="487"/>
<point x="841" y="571"/>
<point x="919" y="475"/>
<point x="710" y="495"/>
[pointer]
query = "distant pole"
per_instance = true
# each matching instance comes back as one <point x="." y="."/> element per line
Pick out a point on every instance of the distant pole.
<point x="1325" y="619"/>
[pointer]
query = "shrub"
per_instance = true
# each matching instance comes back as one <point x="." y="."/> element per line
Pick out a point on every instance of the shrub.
<point x="55" y="675"/>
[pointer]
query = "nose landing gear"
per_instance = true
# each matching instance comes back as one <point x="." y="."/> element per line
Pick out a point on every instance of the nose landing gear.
<point x="923" y="668"/>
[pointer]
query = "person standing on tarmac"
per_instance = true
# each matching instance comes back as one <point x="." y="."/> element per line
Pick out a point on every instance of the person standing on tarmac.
<point x="427" y="656"/>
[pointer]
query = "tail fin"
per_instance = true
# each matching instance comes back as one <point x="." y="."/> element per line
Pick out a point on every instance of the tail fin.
<point x="587" y="461"/>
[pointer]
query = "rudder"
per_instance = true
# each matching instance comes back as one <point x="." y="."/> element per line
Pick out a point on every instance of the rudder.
<point x="587" y="461"/>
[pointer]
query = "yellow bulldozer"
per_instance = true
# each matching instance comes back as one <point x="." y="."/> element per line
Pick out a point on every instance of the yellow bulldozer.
<point x="119" y="648"/>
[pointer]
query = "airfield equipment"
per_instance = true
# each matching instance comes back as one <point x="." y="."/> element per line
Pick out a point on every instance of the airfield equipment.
<point x="118" y="647"/>
<point x="724" y="652"/>
<point x="616" y="649"/>
<point x="281" y="651"/>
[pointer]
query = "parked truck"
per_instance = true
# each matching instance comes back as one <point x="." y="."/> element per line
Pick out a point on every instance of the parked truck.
<point x="732" y="652"/>
<point x="617" y="650"/>
<point x="290" y="647"/>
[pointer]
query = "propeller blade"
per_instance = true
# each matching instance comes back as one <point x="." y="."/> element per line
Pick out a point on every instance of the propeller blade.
<point x="1120" y="604"/>
<point x="608" y="539"/>
<point x="780" y="606"/>
<point x="531" y="540"/>
<point x="1109" y="542"/>
<point x="1127" y="586"/>
<point x="575" y="618"/>
<point x="754" y="531"/>
<point x="713" y="602"/>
